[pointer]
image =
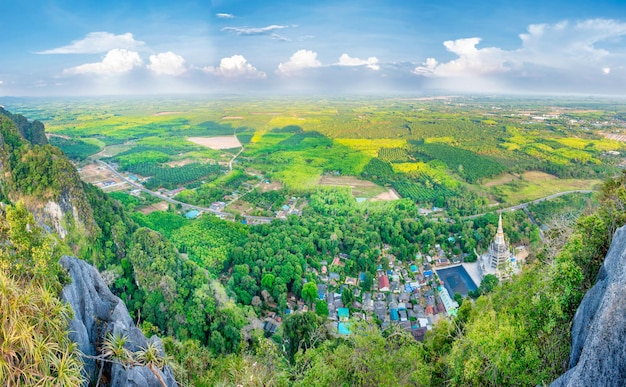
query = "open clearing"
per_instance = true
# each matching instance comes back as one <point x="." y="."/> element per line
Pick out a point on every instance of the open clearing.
<point x="111" y="150"/>
<point x="160" y="206"/>
<point x="217" y="143"/>
<point x="501" y="180"/>
<point x="536" y="185"/>
<point x="166" y="113"/>
<point x="360" y="188"/>
<point x="102" y="178"/>
<point x="391" y="194"/>
<point x="274" y="185"/>
<point x="180" y="163"/>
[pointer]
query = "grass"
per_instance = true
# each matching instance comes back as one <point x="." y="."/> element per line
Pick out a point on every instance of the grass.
<point x="535" y="185"/>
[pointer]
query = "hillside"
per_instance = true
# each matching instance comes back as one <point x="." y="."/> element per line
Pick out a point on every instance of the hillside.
<point x="240" y="304"/>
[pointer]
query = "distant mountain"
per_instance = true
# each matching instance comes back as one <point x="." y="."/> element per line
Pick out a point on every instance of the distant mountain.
<point x="33" y="131"/>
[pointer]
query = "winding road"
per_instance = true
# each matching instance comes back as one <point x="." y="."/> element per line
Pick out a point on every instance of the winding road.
<point x="525" y="205"/>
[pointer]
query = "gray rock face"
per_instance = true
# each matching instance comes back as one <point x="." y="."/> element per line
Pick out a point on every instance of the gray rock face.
<point x="96" y="313"/>
<point x="598" y="354"/>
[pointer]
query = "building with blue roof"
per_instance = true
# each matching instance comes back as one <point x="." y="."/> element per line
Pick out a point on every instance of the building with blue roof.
<point x="343" y="329"/>
<point x="394" y="314"/>
<point x="343" y="314"/>
<point x="192" y="214"/>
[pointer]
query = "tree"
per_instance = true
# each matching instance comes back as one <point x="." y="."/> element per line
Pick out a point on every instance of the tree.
<point x="321" y="308"/>
<point x="309" y="292"/>
<point x="488" y="283"/>
<point x="347" y="296"/>
<point x="300" y="332"/>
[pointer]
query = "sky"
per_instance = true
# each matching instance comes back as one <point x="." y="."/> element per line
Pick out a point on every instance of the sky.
<point x="340" y="47"/>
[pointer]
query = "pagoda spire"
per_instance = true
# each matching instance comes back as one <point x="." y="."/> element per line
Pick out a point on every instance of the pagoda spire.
<point x="499" y="239"/>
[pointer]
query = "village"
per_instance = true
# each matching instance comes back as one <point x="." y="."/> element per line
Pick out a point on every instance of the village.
<point x="414" y="294"/>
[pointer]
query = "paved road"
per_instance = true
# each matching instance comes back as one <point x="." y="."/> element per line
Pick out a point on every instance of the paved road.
<point x="230" y="163"/>
<point x="168" y="199"/>
<point x="524" y="205"/>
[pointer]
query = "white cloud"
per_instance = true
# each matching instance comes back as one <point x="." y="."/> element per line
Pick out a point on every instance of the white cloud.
<point x="371" y="62"/>
<point x="98" y="42"/>
<point x="235" y="66"/>
<point x="300" y="60"/>
<point x="471" y="61"/>
<point x="1" y="82"/>
<point x="253" y="31"/>
<point x="225" y="15"/>
<point x="167" y="63"/>
<point x="570" y="49"/>
<point x="116" y="61"/>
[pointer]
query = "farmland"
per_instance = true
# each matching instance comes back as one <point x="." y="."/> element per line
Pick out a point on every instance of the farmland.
<point x="458" y="153"/>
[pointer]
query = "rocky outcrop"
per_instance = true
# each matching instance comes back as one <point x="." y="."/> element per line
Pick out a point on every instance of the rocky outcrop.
<point x="598" y="354"/>
<point x="96" y="313"/>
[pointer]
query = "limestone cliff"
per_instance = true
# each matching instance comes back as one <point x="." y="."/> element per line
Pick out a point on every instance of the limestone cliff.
<point x="598" y="354"/>
<point x="96" y="313"/>
<point x="42" y="177"/>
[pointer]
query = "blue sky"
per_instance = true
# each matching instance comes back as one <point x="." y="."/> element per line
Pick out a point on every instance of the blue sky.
<point x="67" y="47"/>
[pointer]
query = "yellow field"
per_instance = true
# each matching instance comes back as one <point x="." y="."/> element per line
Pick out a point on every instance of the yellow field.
<point x="371" y="147"/>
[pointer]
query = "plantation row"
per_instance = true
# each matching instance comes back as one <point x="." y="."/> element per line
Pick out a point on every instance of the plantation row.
<point x="471" y="166"/>
<point x="74" y="148"/>
<point x="170" y="178"/>
<point x="421" y="193"/>
<point x="393" y="155"/>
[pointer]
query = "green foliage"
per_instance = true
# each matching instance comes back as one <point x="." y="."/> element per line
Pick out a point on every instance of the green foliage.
<point x="309" y="292"/>
<point x="472" y="166"/>
<point x="301" y="332"/>
<point x="321" y="308"/>
<point x="365" y="358"/>
<point x="174" y="177"/>
<point x="75" y="148"/>
<point x="393" y="155"/>
<point x="35" y="346"/>
<point x="378" y="170"/>
<point x="207" y="240"/>
<point x="178" y="297"/>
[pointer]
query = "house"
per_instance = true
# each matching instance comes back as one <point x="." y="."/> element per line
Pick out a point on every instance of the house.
<point x="419" y="333"/>
<point x="342" y="328"/>
<point x="380" y="310"/>
<point x="321" y="291"/>
<point x="334" y="276"/>
<point x="269" y="327"/>
<point x="343" y="314"/>
<point x="324" y="269"/>
<point x="383" y="283"/>
<point x="192" y="214"/>
<point x="351" y="281"/>
<point x="402" y="314"/>
<point x="394" y="314"/>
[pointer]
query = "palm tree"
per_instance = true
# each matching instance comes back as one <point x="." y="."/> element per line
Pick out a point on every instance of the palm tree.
<point x="151" y="357"/>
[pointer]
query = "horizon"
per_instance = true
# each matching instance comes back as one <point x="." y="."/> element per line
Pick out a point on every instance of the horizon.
<point x="328" y="48"/>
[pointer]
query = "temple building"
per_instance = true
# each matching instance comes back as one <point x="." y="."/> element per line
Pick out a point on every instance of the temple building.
<point x="498" y="260"/>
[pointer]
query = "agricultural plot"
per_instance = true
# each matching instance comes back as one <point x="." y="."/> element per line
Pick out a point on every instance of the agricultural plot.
<point x="217" y="143"/>
<point x="427" y="149"/>
<point x="102" y="178"/>
<point x="360" y="188"/>
<point x="535" y="184"/>
<point x="173" y="177"/>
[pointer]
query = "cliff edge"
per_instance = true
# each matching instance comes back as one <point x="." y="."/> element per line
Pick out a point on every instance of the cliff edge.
<point x="96" y="313"/>
<point x="598" y="354"/>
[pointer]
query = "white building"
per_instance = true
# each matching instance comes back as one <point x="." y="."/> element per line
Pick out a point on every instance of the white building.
<point x="498" y="260"/>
